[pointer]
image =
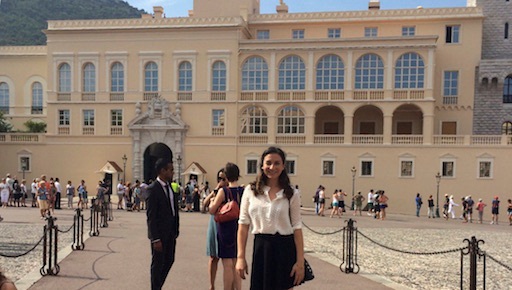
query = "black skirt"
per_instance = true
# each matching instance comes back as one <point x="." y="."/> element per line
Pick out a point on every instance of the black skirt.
<point x="272" y="262"/>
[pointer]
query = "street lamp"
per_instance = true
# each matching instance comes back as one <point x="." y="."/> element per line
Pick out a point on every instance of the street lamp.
<point x="124" y="167"/>
<point x="438" y="180"/>
<point x="353" y="170"/>
<point x="178" y="159"/>
<point x="23" y="168"/>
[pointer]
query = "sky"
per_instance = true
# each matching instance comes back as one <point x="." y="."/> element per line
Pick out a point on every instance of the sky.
<point x="179" y="8"/>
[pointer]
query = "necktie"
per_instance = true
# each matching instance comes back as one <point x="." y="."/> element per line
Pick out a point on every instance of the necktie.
<point x="170" y="196"/>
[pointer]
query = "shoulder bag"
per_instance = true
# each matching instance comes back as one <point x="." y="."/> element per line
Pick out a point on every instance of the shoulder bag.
<point x="308" y="271"/>
<point x="228" y="211"/>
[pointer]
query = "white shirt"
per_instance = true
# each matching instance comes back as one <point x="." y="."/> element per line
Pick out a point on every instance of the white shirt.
<point x="370" y="197"/>
<point x="57" y="186"/>
<point x="120" y="188"/>
<point x="270" y="216"/>
<point x="167" y="188"/>
<point x="34" y="187"/>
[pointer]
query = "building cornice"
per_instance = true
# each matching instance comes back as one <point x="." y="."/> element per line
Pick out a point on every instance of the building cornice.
<point x="140" y="23"/>
<point x="415" y="42"/>
<point x="38" y="50"/>
<point x="369" y="15"/>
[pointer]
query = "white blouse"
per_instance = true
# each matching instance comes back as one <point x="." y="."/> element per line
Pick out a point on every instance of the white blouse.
<point x="270" y="216"/>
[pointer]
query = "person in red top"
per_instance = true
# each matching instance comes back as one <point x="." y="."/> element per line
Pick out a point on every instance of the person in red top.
<point x="480" y="208"/>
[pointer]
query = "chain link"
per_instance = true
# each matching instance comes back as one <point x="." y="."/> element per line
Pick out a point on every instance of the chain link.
<point x="410" y="252"/>
<point x="66" y="230"/>
<point x="25" y="253"/>
<point x="319" y="233"/>
<point x="498" y="262"/>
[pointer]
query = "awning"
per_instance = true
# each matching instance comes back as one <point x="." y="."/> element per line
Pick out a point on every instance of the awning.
<point x="110" y="167"/>
<point x="194" y="168"/>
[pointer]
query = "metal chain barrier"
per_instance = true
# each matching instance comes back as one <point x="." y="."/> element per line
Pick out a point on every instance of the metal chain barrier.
<point x="25" y="253"/>
<point x="66" y="231"/>
<point x="78" y="231"/>
<point x="50" y="266"/>
<point x="498" y="262"/>
<point x="410" y="252"/>
<point x="319" y="233"/>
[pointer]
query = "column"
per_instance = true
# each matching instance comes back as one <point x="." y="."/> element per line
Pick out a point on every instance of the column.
<point x="272" y="76"/>
<point x="428" y="128"/>
<point x="310" y="69"/>
<point x="388" y="129"/>
<point x="310" y="127"/>
<point x="348" y="128"/>
<point x="349" y="68"/>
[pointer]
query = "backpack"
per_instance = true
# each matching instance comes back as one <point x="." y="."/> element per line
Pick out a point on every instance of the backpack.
<point x="470" y="202"/>
<point x="317" y="196"/>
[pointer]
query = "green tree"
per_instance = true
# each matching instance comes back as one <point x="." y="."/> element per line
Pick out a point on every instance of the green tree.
<point x="4" y="126"/>
<point x="35" y="127"/>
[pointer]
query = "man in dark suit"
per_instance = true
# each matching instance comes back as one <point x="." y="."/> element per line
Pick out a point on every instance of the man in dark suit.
<point x="163" y="223"/>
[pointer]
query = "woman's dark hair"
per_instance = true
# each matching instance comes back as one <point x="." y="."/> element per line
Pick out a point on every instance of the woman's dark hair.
<point x="231" y="171"/>
<point x="284" y="180"/>
<point x="218" y="173"/>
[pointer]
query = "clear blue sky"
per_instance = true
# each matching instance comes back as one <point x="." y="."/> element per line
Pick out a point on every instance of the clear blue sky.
<point x="176" y="8"/>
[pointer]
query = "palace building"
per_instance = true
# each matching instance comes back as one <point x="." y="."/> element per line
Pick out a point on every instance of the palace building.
<point x="359" y="100"/>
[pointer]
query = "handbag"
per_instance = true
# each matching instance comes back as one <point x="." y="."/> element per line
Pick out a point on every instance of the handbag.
<point x="228" y="211"/>
<point x="308" y="271"/>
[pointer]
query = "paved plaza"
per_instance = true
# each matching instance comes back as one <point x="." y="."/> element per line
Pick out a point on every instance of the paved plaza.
<point x="119" y="257"/>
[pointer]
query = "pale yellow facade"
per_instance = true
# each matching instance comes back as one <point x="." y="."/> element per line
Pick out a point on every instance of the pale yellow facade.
<point x="396" y="138"/>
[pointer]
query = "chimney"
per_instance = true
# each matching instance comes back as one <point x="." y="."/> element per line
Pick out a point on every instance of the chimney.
<point x="374" y="5"/>
<point x="282" y="8"/>
<point x="158" y="11"/>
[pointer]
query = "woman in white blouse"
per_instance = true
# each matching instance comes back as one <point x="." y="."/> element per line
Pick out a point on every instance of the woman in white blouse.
<point x="272" y="209"/>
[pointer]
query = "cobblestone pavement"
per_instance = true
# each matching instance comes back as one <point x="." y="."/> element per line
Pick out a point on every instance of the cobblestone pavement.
<point x="22" y="230"/>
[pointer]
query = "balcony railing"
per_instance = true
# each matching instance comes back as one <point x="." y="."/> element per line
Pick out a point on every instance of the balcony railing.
<point x="254" y="96"/>
<point x="448" y="140"/>
<point x="367" y="139"/>
<point x="21" y="137"/>
<point x="368" y="95"/>
<point x="329" y="139"/>
<point x="486" y="140"/>
<point x="217" y="131"/>
<point x="116" y="96"/>
<point x="450" y="100"/>
<point x="291" y="96"/>
<point x="116" y="131"/>
<point x="184" y="96"/>
<point x="88" y="97"/>
<point x="63" y="130"/>
<point x="218" y="96"/>
<point x="63" y="97"/>
<point x="329" y="95"/>
<point x="407" y="139"/>
<point x="408" y="94"/>
<point x="147" y="96"/>
<point x="36" y="110"/>
<point x="253" y="139"/>
<point x="292" y="139"/>
<point x="88" y="130"/>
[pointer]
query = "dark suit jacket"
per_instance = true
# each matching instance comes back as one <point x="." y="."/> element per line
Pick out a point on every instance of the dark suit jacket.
<point x="161" y="222"/>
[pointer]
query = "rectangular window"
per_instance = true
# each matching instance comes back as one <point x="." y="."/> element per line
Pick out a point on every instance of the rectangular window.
<point x="328" y="167"/>
<point x="218" y="118"/>
<point x="290" y="167"/>
<point x="370" y="31"/>
<point x="367" y="168"/>
<point x="263" y="34"/>
<point x="485" y="169"/>
<point x="406" y="168"/>
<point x="24" y="163"/>
<point x="408" y="31"/>
<point x="448" y="169"/>
<point x="116" y="118"/>
<point x="298" y="33"/>
<point x="334" y="33"/>
<point x="88" y="118"/>
<point x="450" y="87"/>
<point x="252" y="166"/>
<point x="63" y="117"/>
<point x="452" y="33"/>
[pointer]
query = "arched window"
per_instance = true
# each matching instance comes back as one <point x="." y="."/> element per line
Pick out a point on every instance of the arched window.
<point x="64" y="78"/>
<point x="369" y="72"/>
<point x="185" y="77"/>
<point x="330" y="74"/>
<point x="254" y="120"/>
<point x="89" y="78"/>
<point x="290" y="121"/>
<point x="255" y="74"/>
<point x="151" y="77"/>
<point x="507" y="90"/>
<point x="292" y="74"/>
<point x="4" y="98"/>
<point x="219" y="76"/>
<point x="506" y="128"/>
<point x="117" y="77"/>
<point x="410" y="72"/>
<point x="37" y="98"/>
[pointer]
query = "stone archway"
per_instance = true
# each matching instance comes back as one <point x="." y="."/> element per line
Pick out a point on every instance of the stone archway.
<point x="155" y="128"/>
<point x="152" y="153"/>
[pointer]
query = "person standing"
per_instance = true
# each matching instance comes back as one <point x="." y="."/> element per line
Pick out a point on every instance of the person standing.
<point x="509" y="212"/>
<point x="469" y="213"/>
<point x="227" y="231"/>
<point x="163" y="223"/>
<point x="370" y="202"/>
<point x="272" y="210"/>
<point x="316" y="198"/>
<point x="358" y="200"/>
<point x="419" y="202"/>
<point x="5" y="191"/>
<point x="120" y="194"/>
<point x="58" y="193"/>
<point x="431" y="207"/>
<point x="321" y="201"/>
<point x="451" y="205"/>
<point x="70" y="193"/>
<point x="82" y="195"/>
<point x="383" y="203"/>
<point x="495" y="209"/>
<point x="42" y="198"/>
<point x="33" y="190"/>
<point x="480" y="208"/>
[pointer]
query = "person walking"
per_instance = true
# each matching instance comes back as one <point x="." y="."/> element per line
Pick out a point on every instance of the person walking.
<point x="419" y="202"/>
<point x="383" y="202"/>
<point x="321" y="201"/>
<point x="370" y="202"/>
<point x="446" y="206"/>
<point x="358" y="199"/>
<point x="451" y="205"/>
<point x="163" y="223"/>
<point x="480" y="208"/>
<point x="430" y="212"/>
<point x="5" y="191"/>
<point x="495" y="209"/>
<point x="272" y="210"/>
<point x="335" y="204"/>
<point x="227" y="231"/>
<point x="82" y="195"/>
<point x="471" y="204"/>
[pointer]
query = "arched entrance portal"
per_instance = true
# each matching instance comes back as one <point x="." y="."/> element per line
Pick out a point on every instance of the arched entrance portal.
<point x="152" y="153"/>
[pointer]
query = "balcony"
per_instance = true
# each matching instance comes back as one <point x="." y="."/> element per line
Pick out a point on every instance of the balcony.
<point x="253" y="139"/>
<point x="254" y="96"/>
<point x="290" y="139"/>
<point x="21" y="137"/>
<point x="408" y="94"/>
<point x="88" y="131"/>
<point x="367" y="139"/>
<point x="88" y="97"/>
<point x="64" y="130"/>
<point x="184" y="96"/>
<point x="371" y="95"/>
<point x="329" y="139"/>
<point x="448" y="140"/>
<point x="147" y="96"/>
<point x="450" y="100"/>
<point x="115" y="97"/>
<point x="329" y="95"/>
<point x="117" y="131"/>
<point x="407" y="139"/>
<point x="218" y="131"/>
<point x="218" y="96"/>
<point x="63" y="97"/>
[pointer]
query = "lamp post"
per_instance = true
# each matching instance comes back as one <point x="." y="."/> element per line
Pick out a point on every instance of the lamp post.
<point x="353" y="170"/>
<point x="178" y="159"/>
<point x="438" y="180"/>
<point x="124" y="167"/>
<point x="23" y="168"/>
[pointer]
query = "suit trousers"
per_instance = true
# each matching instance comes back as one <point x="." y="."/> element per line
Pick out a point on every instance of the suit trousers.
<point x="161" y="263"/>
